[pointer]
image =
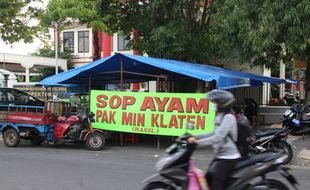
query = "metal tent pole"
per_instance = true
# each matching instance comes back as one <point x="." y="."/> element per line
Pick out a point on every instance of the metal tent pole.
<point x="89" y="89"/>
<point x="121" y="83"/>
<point x="122" y="73"/>
<point x="158" y="137"/>
<point x="89" y="83"/>
<point x="46" y="91"/>
<point x="52" y="93"/>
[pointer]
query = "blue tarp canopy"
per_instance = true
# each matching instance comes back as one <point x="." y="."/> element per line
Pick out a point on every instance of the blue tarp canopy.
<point x="126" y="68"/>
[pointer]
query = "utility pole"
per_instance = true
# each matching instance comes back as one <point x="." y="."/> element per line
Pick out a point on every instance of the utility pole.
<point x="3" y="61"/>
<point x="5" y="76"/>
<point x="56" y="49"/>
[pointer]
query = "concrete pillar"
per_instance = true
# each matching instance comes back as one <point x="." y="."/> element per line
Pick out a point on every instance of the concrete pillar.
<point x="27" y="74"/>
<point x="266" y="86"/>
<point x="152" y="86"/>
<point x="12" y="80"/>
<point x="302" y="90"/>
<point x="27" y="67"/>
<point x="106" y="50"/>
<point x="282" y="76"/>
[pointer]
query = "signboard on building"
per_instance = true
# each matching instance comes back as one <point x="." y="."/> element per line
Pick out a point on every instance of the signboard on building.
<point x="44" y="93"/>
<point x="300" y="64"/>
<point x="152" y="113"/>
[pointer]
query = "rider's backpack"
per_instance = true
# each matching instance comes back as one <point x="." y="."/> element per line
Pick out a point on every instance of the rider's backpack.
<point x="244" y="134"/>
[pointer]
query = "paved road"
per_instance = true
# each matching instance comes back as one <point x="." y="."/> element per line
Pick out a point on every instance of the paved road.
<point x="74" y="168"/>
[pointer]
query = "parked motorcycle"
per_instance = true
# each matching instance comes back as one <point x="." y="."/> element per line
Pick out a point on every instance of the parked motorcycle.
<point x="176" y="171"/>
<point x="297" y="120"/>
<point x="272" y="139"/>
<point x="268" y="139"/>
<point x="76" y="129"/>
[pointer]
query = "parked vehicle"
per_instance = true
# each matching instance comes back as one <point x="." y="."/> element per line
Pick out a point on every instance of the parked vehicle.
<point x="297" y="120"/>
<point x="176" y="171"/>
<point x="272" y="139"/>
<point x="77" y="128"/>
<point x="267" y="139"/>
<point x="22" y="116"/>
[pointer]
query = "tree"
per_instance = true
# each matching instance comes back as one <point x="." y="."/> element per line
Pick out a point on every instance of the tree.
<point x="263" y="32"/>
<point x="167" y="29"/>
<point x="63" y="13"/>
<point x="14" y="23"/>
<point x="48" y="71"/>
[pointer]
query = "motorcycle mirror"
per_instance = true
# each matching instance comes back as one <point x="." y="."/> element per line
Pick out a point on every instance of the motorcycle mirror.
<point x="91" y="114"/>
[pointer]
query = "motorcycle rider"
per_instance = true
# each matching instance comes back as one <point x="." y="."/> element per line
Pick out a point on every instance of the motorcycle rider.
<point x="226" y="153"/>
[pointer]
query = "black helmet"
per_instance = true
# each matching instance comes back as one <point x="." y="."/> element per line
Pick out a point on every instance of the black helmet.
<point x="225" y="100"/>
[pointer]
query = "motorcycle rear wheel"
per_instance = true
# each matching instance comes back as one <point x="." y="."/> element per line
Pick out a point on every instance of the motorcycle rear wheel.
<point x="271" y="184"/>
<point x="158" y="186"/>
<point x="36" y="141"/>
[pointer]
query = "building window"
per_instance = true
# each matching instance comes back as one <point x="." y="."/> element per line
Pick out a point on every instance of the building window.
<point x="68" y="42"/>
<point x="122" y="42"/>
<point x="83" y="41"/>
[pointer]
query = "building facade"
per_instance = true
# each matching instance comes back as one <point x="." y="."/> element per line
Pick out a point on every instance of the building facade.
<point x="79" y="40"/>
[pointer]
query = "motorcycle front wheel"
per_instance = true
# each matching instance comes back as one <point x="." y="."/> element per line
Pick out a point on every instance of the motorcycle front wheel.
<point x="283" y="145"/>
<point x="95" y="141"/>
<point x="158" y="186"/>
<point x="270" y="184"/>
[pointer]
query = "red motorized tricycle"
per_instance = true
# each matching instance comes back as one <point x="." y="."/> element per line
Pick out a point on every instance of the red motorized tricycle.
<point x="23" y="116"/>
<point x="77" y="128"/>
<point x="74" y="126"/>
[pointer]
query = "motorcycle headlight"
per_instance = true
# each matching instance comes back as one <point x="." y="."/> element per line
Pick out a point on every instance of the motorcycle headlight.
<point x="291" y="115"/>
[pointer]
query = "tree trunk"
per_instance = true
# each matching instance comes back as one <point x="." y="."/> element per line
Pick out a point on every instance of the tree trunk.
<point x="96" y="46"/>
<point x="307" y="85"/>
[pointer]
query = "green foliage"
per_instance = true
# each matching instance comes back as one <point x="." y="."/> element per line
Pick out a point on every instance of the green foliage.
<point x="257" y="32"/>
<point x="263" y="32"/>
<point x="14" y="23"/>
<point x="175" y="29"/>
<point x="49" y="71"/>
<point x="62" y="13"/>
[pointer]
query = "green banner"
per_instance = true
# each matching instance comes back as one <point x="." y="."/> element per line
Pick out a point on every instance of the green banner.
<point x="152" y="113"/>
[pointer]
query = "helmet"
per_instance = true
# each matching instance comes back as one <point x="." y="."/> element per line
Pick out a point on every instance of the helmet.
<point x="224" y="99"/>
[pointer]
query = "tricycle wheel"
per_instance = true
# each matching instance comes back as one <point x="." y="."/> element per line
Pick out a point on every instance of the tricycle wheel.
<point x="36" y="141"/>
<point x="95" y="141"/>
<point x="11" y="138"/>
